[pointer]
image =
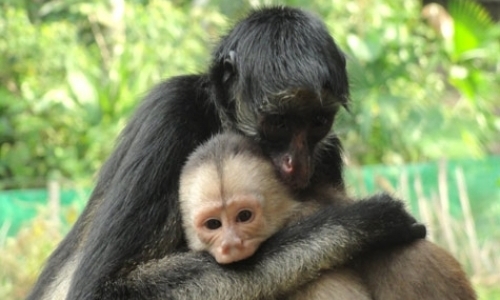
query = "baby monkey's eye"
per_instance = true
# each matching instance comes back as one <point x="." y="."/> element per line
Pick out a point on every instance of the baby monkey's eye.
<point x="213" y="224"/>
<point x="244" y="216"/>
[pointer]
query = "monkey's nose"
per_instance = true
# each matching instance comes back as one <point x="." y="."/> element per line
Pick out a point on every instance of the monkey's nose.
<point x="228" y="246"/>
<point x="287" y="165"/>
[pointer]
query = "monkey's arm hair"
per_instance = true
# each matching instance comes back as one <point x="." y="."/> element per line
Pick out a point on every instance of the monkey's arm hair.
<point x="292" y="257"/>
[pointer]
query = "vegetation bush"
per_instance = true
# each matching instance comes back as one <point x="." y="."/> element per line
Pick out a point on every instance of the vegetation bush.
<point x="71" y="80"/>
<point x="22" y="257"/>
<point x="71" y="72"/>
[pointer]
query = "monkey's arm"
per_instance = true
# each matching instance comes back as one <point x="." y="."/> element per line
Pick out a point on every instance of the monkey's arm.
<point x="292" y="257"/>
<point x="133" y="215"/>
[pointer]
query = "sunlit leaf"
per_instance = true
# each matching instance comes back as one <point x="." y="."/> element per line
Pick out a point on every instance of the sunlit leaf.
<point x="82" y="88"/>
<point x="471" y="22"/>
<point x="359" y="48"/>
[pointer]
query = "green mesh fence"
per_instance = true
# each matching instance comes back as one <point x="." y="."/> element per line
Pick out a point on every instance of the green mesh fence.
<point x="482" y="179"/>
<point x="19" y="206"/>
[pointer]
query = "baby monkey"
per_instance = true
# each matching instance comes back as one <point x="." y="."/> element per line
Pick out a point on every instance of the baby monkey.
<point x="232" y="200"/>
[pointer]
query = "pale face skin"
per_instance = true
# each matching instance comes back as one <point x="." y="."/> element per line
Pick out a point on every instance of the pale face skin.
<point x="231" y="228"/>
<point x="229" y="212"/>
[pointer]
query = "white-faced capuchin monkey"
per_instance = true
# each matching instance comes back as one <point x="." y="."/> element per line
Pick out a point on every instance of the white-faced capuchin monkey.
<point x="232" y="200"/>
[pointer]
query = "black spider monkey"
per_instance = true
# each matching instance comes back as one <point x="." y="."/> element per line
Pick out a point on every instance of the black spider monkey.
<point x="277" y="77"/>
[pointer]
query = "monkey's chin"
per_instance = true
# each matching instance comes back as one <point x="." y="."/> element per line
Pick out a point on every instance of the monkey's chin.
<point x="297" y="180"/>
<point x="297" y="184"/>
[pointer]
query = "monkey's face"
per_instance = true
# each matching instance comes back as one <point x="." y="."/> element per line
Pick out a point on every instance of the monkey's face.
<point x="289" y="128"/>
<point x="231" y="229"/>
<point x="229" y="207"/>
<point x="290" y="132"/>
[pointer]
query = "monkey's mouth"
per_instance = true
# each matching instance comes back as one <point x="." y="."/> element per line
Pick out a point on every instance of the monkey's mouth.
<point x="237" y="253"/>
<point x="299" y="179"/>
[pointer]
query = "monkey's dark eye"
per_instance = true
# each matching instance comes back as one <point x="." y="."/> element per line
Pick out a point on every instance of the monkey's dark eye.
<point x="277" y="122"/>
<point x="280" y="123"/>
<point x="320" y="121"/>
<point x="320" y="125"/>
<point x="244" y="216"/>
<point x="276" y="127"/>
<point x="213" y="224"/>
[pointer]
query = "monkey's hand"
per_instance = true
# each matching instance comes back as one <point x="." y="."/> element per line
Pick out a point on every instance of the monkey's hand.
<point x="381" y="221"/>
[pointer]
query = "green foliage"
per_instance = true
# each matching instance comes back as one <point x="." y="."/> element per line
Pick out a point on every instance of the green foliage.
<point x="69" y="84"/>
<point x="471" y="24"/>
<point x="71" y="72"/>
<point x="488" y="291"/>
<point x="473" y="71"/>
<point x="407" y="103"/>
<point x="394" y="86"/>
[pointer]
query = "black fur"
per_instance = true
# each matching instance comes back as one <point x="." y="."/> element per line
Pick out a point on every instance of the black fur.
<point x="129" y="239"/>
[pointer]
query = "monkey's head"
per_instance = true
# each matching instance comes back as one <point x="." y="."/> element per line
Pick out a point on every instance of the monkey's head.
<point x="231" y="199"/>
<point x="280" y="79"/>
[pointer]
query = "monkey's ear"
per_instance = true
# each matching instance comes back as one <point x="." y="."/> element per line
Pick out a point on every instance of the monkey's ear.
<point x="229" y="66"/>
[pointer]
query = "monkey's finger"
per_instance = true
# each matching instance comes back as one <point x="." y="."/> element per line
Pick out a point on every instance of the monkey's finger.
<point x="418" y="230"/>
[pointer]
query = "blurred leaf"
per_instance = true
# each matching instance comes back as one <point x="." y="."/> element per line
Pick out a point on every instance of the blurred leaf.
<point x="82" y="88"/>
<point x="470" y="23"/>
<point x="359" y="48"/>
